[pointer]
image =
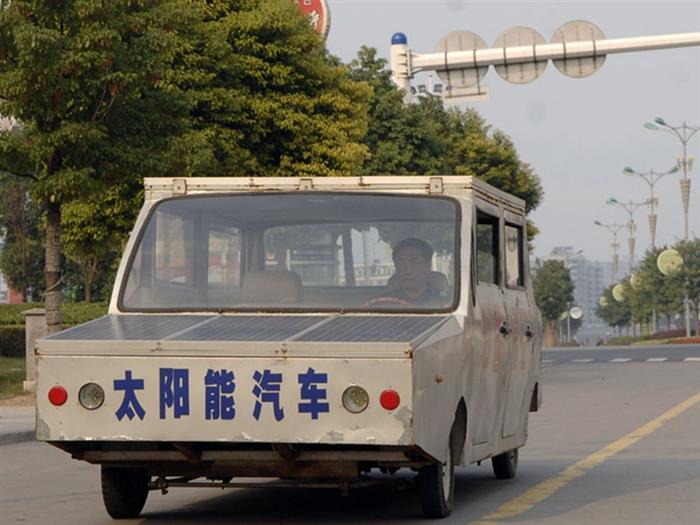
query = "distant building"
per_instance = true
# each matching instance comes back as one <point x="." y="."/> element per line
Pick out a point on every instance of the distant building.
<point x="590" y="278"/>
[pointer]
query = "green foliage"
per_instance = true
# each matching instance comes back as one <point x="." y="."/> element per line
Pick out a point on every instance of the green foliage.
<point x="82" y="78"/>
<point x="12" y="341"/>
<point x="655" y="291"/>
<point x="688" y="276"/>
<point x="73" y="313"/>
<point x="266" y="99"/>
<point x="12" y="374"/>
<point x="94" y="230"/>
<point x="614" y="313"/>
<point x="426" y="139"/>
<point x="22" y="257"/>
<point x="553" y="288"/>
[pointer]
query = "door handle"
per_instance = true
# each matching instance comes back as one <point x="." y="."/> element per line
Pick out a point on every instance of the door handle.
<point x="528" y="331"/>
<point x="504" y="328"/>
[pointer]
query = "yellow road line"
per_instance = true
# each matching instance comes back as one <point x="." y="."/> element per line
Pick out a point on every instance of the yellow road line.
<point x="550" y="486"/>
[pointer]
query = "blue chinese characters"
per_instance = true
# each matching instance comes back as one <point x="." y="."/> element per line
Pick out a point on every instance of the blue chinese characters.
<point x="130" y="405"/>
<point x="219" y="394"/>
<point x="312" y="394"/>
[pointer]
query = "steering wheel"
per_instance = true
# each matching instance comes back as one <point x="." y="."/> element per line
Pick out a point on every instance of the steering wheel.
<point x="387" y="300"/>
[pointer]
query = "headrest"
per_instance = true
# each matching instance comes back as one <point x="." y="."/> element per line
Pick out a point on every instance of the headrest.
<point x="271" y="287"/>
<point x="436" y="280"/>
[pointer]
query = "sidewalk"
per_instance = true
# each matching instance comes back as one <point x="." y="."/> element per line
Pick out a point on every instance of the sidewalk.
<point x="16" y="424"/>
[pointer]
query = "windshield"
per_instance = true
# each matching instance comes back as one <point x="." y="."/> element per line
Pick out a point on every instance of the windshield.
<point x="295" y="252"/>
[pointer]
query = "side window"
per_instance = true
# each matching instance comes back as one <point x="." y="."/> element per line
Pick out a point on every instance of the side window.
<point x="487" y="248"/>
<point x="224" y="257"/>
<point x="174" y="249"/>
<point x="514" y="256"/>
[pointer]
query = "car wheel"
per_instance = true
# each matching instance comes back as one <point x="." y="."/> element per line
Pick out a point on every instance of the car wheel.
<point x="436" y="484"/>
<point x="124" y="491"/>
<point x="505" y="465"/>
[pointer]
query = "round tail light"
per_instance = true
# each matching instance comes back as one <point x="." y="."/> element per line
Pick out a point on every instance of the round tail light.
<point x="58" y="395"/>
<point x="355" y="399"/>
<point x="91" y="396"/>
<point x="389" y="399"/>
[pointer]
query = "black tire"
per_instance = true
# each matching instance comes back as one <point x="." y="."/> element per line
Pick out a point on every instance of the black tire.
<point x="124" y="491"/>
<point x="436" y="483"/>
<point x="505" y="466"/>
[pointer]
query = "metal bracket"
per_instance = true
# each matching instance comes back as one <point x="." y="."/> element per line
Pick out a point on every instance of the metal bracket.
<point x="435" y="185"/>
<point x="179" y="186"/>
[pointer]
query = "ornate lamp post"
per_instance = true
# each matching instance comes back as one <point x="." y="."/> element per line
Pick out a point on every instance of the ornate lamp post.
<point x="615" y="245"/>
<point x="651" y="177"/>
<point x="684" y="133"/>
<point x="630" y="207"/>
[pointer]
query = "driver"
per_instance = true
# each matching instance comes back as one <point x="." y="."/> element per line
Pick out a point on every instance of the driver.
<point x="412" y="259"/>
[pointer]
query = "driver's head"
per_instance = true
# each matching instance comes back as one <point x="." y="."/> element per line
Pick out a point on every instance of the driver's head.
<point x="412" y="259"/>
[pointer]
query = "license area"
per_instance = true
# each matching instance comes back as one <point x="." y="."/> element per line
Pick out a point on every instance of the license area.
<point x="291" y="400"/>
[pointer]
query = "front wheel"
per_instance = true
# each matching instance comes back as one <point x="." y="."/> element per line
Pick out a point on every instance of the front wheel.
<point x="436" y="484"/>
<point x="505" y="465"/>
<point x="124" y="491"/>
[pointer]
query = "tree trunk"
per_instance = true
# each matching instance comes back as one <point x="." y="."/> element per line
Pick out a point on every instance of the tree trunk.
<point x="89" y="270"/>
<point x="550" y="338"/>
<point x="52" y="266"/>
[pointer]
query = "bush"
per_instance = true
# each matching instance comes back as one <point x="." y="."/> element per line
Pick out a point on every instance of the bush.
<point x="622" y="340"/>
<point x="71" y="313"/>
<point x="12" y="341"/>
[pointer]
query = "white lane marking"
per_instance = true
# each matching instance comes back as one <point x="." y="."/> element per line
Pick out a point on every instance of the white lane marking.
<point x="621" y="360"/>
<point x="697" y="359"/>
<point x="656" y="359"/>
<point x="581" y="360"/>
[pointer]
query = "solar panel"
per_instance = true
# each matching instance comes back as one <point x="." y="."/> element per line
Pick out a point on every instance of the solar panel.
<point x="368" y="329"/>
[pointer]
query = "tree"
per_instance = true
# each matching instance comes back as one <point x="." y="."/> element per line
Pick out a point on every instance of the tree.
<point x="95" y="228"/>
<point x="554" y="292"/>
<point x="266" y="99"/>
<point x="425" y="138"/>
<point x="83" y="78"/>
<point x="616" y="314"/>
<point x="22" y="258"/>
<point x="654" y="291"/>
<point x="687" y="277"/>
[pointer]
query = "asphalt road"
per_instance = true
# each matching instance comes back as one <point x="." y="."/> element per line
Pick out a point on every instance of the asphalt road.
<point x="616" y="442"/>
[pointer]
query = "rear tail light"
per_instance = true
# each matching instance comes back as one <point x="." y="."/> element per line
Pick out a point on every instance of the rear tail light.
<point x="91" y="396"/>
<point x="58" y="395"/>
<point x="389" y="399"/>
<point x="355" y="399"/>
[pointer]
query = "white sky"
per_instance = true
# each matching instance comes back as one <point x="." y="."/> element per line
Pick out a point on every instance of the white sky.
<point x="578" y="134"/>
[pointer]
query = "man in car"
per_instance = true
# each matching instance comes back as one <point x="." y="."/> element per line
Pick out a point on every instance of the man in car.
<point x="410" y="283"/>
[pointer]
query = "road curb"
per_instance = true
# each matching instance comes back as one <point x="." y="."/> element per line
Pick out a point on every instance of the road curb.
<point x="17" y="437"/>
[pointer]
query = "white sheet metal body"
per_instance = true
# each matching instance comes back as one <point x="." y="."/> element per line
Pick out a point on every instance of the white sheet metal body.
<point x="464" y="360"/>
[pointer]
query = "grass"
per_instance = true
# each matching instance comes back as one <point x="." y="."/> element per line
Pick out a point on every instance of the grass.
<point x="12" y="375"/>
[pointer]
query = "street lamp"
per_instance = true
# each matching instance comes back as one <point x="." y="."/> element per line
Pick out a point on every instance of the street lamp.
<point x="684" y="133"/>
<point x="651" y="177"/>
<point x="615" y="245"/>
<point x="630" y="207"/>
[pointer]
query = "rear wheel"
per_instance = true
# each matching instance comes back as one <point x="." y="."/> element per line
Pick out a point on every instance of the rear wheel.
<point x="124" y="491"/>
<point x="505" y="465"/>
<point x="436" y="484"/>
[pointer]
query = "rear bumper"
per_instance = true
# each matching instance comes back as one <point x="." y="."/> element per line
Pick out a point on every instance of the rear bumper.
<point x="214" y="460"/>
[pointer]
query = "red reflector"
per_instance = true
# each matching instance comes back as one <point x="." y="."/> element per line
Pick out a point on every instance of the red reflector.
<point x="58" y="395"/>
<point x="389" y="399"/>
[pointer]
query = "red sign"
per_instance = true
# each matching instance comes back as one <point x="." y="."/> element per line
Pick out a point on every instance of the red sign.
<point x="319" y="15"/>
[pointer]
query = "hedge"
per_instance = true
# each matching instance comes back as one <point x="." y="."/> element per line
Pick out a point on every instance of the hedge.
<point x="12" y="338"/>
<point x="12" y="341"/>
<point x="71" y="313"/>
